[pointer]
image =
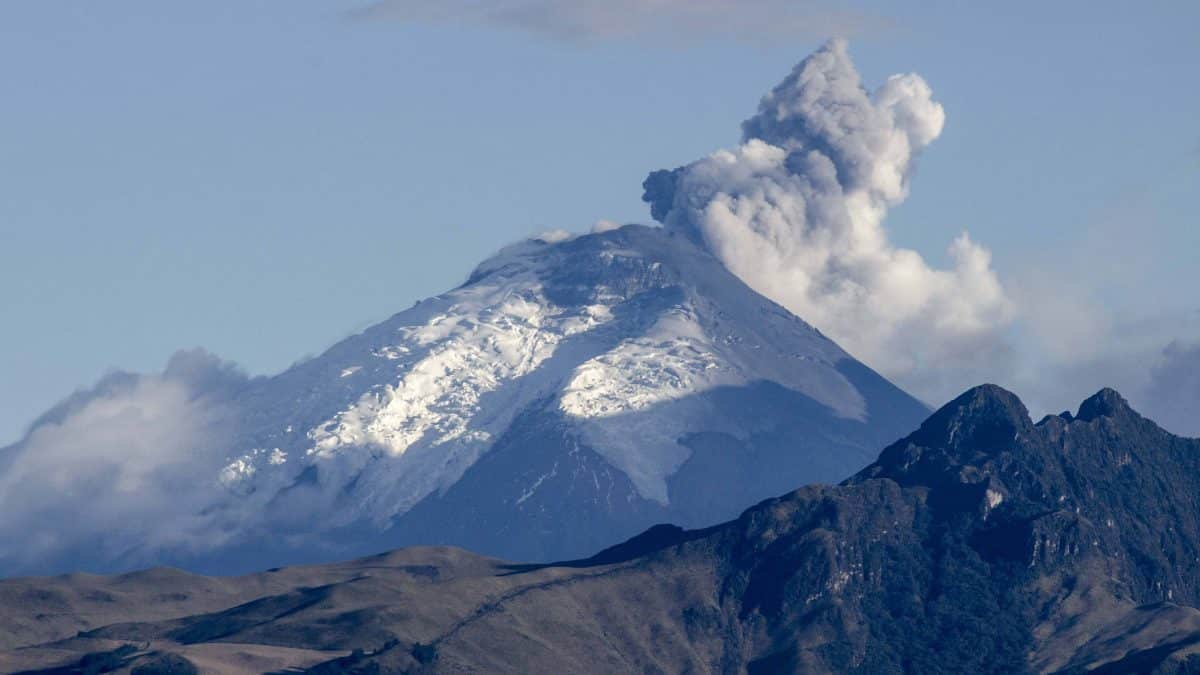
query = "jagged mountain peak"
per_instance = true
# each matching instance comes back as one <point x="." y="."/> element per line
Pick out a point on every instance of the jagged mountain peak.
<point x="984" y="415"/>
<point x="1056" y="547"/>
<point x="989" y="400"/>
<point x="986" y="438"/>
<point x="1104" y="403"/>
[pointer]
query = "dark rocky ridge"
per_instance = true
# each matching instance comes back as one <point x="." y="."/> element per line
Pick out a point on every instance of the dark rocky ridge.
<point x="980" y="543"/>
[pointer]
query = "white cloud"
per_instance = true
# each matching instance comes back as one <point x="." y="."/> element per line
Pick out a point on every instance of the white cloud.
<point x="118" y="472"/>
<point x="575" y="20"/>
<point x="797" y="212"/>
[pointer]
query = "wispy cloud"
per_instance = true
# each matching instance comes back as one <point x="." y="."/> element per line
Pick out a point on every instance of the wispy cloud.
<point x="669" y="20"/>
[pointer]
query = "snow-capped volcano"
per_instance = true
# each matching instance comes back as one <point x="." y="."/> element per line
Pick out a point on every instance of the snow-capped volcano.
<point x="571" y="393"/>
<point x="568" y="394"/>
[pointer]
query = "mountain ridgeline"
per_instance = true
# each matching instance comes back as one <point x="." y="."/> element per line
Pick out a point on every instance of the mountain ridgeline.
<point x="982" y="542"/>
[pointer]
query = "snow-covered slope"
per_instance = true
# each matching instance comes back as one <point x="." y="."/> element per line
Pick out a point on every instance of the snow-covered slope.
<point x="605" y="326"/>
<point x="569" y="394"/>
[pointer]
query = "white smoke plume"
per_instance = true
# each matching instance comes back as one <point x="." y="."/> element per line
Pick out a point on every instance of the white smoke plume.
<point x="120" y="471"/>
<point x="797" y="212"/>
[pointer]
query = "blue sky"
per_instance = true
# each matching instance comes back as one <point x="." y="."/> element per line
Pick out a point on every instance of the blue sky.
<point x="262" y="178"/>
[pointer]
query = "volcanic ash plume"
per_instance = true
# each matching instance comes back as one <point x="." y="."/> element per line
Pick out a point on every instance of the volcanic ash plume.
<point x="797" y="212"/>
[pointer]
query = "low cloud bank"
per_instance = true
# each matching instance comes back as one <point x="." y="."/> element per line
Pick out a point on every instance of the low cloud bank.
<point x="120" y="471"/>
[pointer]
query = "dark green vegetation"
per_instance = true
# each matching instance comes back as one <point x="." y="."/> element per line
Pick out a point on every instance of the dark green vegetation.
<point x="981" y="543"/>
